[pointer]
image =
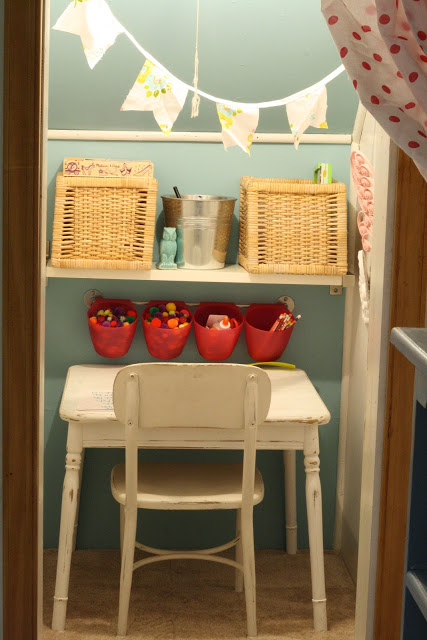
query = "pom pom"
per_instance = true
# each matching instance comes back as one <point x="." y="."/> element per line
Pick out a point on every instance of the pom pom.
<point x="164" y="326"/>
<point x="158" y="315"/>
<point x="132" y="313"/>
<point x="153" y="310"/>
<point x="93" y="319"/>
<point x="162" y="307"/>
<point x="172" y="323"/>
<point x="113" y="323"/>
<point x="105" y="324"/>
<point x="171" y="306"/>
<point x="156" y="322"/>
<point x="100" y="319"/>
<point x="119" y="311"/>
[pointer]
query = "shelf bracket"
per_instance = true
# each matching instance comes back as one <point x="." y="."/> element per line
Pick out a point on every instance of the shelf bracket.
<point x="288" y="301"/>
<point x="90" y="297"/>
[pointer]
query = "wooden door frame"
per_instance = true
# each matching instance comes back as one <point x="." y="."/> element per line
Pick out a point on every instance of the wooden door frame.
<point x="22" y="304"/>
<point x="407" y="309"/>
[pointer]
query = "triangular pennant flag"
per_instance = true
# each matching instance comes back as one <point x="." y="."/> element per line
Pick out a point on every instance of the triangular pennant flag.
<point x="308" y="111"/>
<point x="158" y="92"/>
<point x="238" y="124"/>
<point x="94" y="22"/>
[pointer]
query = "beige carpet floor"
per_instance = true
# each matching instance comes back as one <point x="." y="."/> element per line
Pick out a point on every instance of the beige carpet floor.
<point x="192" y="600"/>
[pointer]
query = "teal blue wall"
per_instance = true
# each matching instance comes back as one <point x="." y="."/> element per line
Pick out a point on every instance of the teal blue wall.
<point x="92" y="100"/>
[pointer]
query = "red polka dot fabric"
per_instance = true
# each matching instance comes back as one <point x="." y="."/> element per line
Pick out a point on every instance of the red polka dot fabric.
<point x="383" y="46"/>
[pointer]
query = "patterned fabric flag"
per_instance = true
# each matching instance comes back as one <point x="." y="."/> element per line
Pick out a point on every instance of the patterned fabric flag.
<point x="158" y="92"/>
<point x="308" y="111"/>
<point x="238" y="125"/>
<point x="93" y="21"/>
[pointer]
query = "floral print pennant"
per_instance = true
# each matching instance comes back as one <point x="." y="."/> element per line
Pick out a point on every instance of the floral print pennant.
<point x="94" y="22"/>
<point x="308" y="111"/>
<point x="158" y="92"/>
<point x="238" y="124"/>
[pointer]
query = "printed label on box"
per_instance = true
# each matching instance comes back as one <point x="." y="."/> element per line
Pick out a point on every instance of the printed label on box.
<point x="103" y="168"/>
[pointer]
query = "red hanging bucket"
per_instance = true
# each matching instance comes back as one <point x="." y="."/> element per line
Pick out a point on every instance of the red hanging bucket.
<point x="165" y="344"/>
<point x="111" y="342"/>
<point x="216" y="345"/>
<point x="265" y="345"/>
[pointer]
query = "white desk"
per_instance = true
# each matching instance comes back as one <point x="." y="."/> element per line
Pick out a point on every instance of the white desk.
<point x="296" y="411"/>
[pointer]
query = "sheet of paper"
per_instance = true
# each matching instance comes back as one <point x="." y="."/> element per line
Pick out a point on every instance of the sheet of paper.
<point x="96" y="401"/>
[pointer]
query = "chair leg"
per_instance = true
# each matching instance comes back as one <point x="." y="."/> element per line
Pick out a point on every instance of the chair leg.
<point x="129" y="535"/>
<point x="315" y="531"/>
<point x="122" y="527"/>
<point x="249" y="572"/>
<point x="289" y="464"/>
<point x="238" y="583"/>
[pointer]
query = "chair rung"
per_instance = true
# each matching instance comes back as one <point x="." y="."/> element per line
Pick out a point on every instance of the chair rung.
<point x="188" y="556"/>
<point x="161" y="552"/>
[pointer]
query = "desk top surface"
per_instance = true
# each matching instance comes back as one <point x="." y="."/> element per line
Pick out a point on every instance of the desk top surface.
<point x="293" y="396"/>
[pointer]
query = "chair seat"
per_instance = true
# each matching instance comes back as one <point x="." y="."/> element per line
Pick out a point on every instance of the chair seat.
<point x="187" y="486"/>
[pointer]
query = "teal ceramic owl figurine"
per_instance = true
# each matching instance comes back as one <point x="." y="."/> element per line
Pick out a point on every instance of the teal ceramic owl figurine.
<point x="167" y="249"/>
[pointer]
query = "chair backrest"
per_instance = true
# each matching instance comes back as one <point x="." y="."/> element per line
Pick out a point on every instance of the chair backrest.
<point x="167" y="395"/>
<point x="191" y="395"/>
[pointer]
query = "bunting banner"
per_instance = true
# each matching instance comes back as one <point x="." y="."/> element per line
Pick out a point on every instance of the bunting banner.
<point x="94" y="22"/>
<point x="308" y="111"/>
<point x="238" y="124"/>
<point x="158" y="92"/>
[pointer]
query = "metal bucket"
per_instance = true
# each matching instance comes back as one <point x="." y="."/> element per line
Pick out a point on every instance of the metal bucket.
<point x="203" y="226"/>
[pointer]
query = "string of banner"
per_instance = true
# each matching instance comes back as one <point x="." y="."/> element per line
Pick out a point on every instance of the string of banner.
<point x="159" y="91"/>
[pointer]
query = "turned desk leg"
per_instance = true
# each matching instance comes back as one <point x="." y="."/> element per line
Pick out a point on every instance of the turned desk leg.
<point x="289" y="463"/>
<point x="315" y="531"/>
<point x="78" y="499"/>
<point x="70" y="494"/>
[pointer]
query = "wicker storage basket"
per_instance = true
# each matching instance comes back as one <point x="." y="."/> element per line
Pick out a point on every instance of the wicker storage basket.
<point x="104" y="223"/>
<point x="293" y="226"/>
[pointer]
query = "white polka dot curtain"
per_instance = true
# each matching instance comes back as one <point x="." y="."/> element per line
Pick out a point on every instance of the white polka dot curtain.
<point x="383" y="46"/>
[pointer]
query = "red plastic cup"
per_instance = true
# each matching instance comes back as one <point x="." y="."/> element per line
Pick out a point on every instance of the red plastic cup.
<point x="216" y="345"/>
<point x="263" y="345"/>
<point x="165" y="344"/>
<point x="111" y="342"/>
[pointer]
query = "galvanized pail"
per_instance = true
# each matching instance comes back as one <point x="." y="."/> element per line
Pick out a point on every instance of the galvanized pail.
<point x="203" y="226"/>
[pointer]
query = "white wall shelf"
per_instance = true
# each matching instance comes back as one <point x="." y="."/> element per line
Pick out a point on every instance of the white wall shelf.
<point x="232" y="273"/>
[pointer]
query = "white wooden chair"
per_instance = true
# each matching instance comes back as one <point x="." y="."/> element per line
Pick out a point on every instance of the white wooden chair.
<point x="195" y="396"/>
